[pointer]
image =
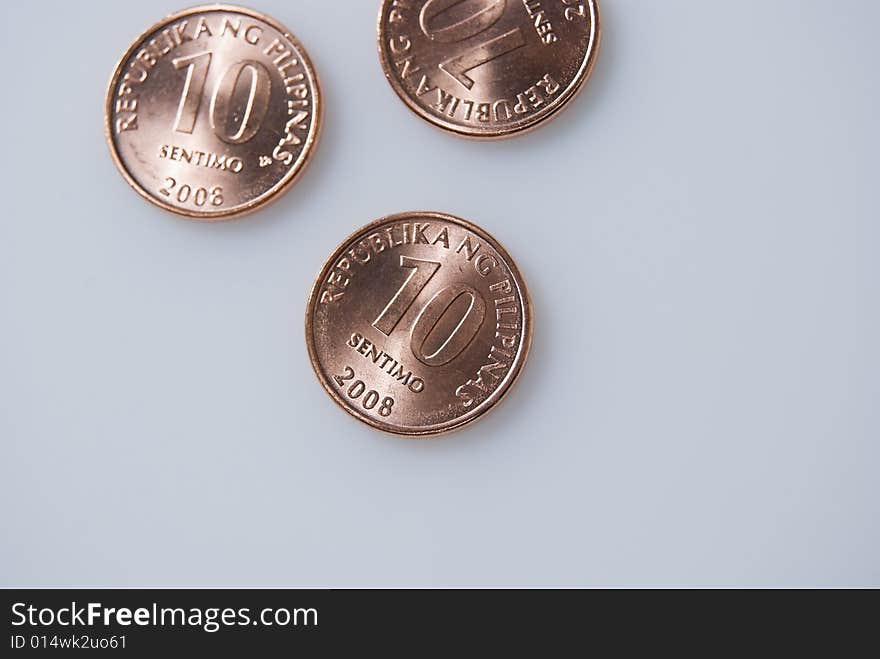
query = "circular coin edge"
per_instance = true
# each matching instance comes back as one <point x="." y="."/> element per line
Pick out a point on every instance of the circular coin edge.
<point x="514" y="130"/>
<point x="276" y="191"/>
<point x="494" y="398"/>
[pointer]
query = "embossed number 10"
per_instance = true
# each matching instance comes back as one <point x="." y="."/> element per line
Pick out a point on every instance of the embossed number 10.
<point x="221" y="100"/>
<point x="482" y="14"/>
<point x="465" y="329"/>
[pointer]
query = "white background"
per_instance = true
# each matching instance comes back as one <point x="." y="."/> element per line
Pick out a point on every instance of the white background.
<point x="699" y="230"/>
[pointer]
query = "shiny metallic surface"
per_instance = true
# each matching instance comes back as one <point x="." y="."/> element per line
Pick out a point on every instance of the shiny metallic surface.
<point x="488" y="68"/>
<point x="213" y="112"/>
<point x="418" y="323"/>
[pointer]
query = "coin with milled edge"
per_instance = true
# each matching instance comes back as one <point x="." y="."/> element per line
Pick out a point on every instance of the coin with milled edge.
<point x="488" y="68"/>
<point x="418" y="323"/>
<point x="213" y="112"/>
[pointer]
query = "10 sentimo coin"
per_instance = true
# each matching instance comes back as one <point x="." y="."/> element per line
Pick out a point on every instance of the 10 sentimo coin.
<point x="418" y="323"/>
<point x="213" y="112"/>
<point x="488" y="68"/>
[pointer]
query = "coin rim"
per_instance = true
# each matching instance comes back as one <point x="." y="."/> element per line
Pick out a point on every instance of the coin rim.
<point x="473" y="415"/>
<point x="512" y="130"/>
<point x="273" y="193"/>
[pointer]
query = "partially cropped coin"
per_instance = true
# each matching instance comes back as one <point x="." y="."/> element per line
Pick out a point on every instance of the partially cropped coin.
<point x="213" y="112"/>
<point x="418" y="323"/>
<point x="488" y="68"/>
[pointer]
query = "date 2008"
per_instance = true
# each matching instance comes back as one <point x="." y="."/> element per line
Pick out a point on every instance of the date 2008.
<point x="186" y="193"/>
<point x="357" y="389"/>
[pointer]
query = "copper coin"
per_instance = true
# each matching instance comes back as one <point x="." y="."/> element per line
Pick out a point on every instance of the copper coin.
<point x="488" y="68"/>
<point x="213" y="112"/>
<point x="418" y="323"/>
